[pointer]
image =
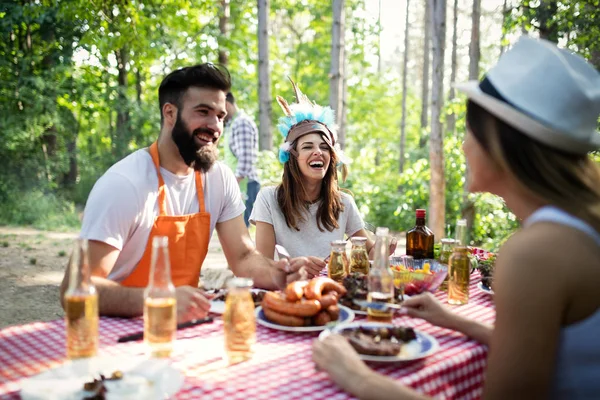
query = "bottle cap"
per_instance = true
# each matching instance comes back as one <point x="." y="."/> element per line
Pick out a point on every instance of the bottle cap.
<point x="420" y="213"/>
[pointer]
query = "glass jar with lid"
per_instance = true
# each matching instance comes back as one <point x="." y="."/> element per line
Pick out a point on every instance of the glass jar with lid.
<point x="338" y="266"/>
<point x="359" y="258"/>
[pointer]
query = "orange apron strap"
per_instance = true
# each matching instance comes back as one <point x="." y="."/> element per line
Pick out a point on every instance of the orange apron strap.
<point x="200" y="191"/>
<point x="162" y="204"/>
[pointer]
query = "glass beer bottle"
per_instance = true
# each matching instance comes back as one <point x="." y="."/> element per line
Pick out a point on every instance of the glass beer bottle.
<point x="337" y="268"/>
<point x="359" y="258"/>
<point x="419" y="240"/>
<point x="160" y="306"/>
<point x="381" y="279"/>
<point x="81" y="306"/>
<point x="445" y="253"/>
<point x="459" y="267"/>
<point x="239" y="322"/>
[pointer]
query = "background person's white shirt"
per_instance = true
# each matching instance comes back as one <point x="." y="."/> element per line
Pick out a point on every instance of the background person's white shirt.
<point x="123" y="205"/>
<point x="309" y="240"/>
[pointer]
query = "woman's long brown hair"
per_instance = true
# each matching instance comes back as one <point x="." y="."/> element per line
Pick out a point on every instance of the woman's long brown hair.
<point x="568" y="181"/>
<point x="293" y="201"/>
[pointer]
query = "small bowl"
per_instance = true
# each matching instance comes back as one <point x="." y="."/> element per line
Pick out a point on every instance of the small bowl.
<point x="417" y="281"/>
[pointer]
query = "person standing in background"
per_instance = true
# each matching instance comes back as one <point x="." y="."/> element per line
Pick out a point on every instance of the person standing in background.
<point x="243" y="143"/>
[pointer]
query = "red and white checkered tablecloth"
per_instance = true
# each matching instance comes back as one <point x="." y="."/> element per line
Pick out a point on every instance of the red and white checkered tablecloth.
<point x="280" y="369"/>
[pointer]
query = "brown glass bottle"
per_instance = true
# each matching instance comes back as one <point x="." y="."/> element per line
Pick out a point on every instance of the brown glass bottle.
<point x="419" y="240"/>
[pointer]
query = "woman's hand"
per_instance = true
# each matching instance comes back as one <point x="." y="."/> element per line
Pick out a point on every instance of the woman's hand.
<point x="335" y="356"/>
<point x="427" y="307"/>
<point x="312" y="265"/>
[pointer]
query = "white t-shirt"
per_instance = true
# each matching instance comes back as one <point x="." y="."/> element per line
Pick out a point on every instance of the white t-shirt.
<point x="309" y="240"/>
<point x="123" y="205"/>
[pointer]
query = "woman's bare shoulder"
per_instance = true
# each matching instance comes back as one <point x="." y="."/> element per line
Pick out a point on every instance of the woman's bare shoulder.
<point x="547" y="241"/>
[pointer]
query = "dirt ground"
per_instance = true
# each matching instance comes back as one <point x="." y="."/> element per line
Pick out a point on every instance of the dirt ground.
<point x="32" y="264"/>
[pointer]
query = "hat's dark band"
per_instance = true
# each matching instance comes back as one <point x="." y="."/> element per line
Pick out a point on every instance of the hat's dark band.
<point x="486" y="87"/>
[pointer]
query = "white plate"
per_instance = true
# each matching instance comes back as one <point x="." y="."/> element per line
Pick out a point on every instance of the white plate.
<point x="346" y="315"/>
<point x="142" y="378"/>
<point x="218" y="306"/>
<point x="484" y="289"/>
<point x="424" y="345"/>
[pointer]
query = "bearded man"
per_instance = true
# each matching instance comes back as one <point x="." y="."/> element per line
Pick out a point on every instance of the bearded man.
<point x="174" y="188"/>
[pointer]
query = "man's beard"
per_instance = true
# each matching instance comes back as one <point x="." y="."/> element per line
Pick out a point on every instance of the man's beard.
<point x="202" y="157"/>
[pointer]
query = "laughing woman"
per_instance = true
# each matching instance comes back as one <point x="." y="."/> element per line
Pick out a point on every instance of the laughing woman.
<point x="307" y="211"/>
<point x="530" y="125"/>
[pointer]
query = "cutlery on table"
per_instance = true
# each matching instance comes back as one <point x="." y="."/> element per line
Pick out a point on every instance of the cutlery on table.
<point x="140" y="335"/>
<point x="377" y="306"/>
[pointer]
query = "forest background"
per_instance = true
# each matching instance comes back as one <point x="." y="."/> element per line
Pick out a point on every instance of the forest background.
<point x="79" y="83"/>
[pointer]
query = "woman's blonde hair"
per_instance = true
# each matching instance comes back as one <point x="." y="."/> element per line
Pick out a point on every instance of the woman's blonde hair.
<point x="292" y="198"/>
<point x="568" y="181"/>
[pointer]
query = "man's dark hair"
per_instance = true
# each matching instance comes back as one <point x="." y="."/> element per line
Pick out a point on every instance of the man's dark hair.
<point x="230" y="98"/>
<point x="207" y="75"/>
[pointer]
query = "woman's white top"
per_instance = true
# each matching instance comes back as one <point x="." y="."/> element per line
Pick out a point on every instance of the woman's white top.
<point x="308" y="240"/>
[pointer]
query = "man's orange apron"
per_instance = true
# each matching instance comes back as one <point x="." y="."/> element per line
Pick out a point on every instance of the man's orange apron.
<point x="188" y="238"/>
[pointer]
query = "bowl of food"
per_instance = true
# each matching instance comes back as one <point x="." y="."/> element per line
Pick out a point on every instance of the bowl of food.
<point x="424" y="276"/>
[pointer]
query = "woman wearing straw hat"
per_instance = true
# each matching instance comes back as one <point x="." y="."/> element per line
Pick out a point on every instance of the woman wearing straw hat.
<point x="530" y="124"/>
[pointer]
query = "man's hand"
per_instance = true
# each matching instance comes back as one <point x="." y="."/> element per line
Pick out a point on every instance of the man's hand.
<point x="288" y="271"/>
<point x="191" y="303"/>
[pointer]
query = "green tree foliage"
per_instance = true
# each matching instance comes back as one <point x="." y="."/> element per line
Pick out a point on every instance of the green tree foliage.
<point x="78" y="91"/>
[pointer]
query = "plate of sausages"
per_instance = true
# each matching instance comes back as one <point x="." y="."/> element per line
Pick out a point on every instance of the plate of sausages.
<point x="382" y="342"/>
<point x="304" y="306"/>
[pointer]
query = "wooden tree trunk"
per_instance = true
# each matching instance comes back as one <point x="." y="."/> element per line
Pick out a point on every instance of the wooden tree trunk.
<point x="122" y="134"/>
<point x="223" y="21"/>
<point x="336" y="82"/>
<point x="437" y="186"/>
<point x="265" y="138"/>
<point x="451" y="118"/>
<point x="138" y="87"/>
<point x="468" y="207"/>
<point x="425" y="81"/>
<point x="474" y="50"/>
<point x="404" y="75"/>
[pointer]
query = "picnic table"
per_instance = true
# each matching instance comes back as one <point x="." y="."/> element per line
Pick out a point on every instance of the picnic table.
<point x="280" y="369"/>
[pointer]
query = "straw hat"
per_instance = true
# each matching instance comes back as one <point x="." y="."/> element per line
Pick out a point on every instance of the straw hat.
<point x="549" y="94"/>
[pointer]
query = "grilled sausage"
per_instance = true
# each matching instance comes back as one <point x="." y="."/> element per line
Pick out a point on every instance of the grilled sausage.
<point x="322" y="318"/>
<point x="282" y="319"/>
<point x="334" y="312"/>
<point x="328" y="299"/>
<point x="320" y="285"/>
<point x="295" y="290"/>
<point x="303" y="308"/>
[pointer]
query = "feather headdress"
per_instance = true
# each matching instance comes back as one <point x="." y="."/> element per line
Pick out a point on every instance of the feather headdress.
<point x="301" y="118"/>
